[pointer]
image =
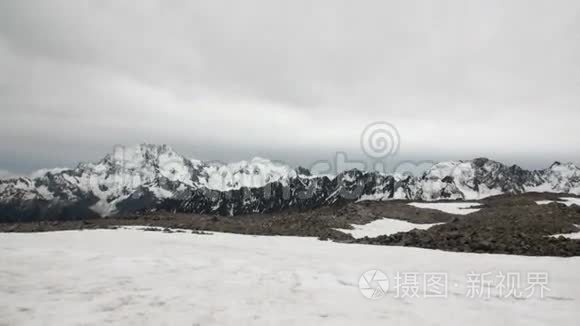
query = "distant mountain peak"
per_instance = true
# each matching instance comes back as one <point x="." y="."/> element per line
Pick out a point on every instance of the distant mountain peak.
<point x="303" y="171"/>
<point x="567" y="165"/>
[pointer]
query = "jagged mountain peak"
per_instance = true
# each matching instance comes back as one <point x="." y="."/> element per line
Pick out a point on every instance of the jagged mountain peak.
<point x="563" y="166"/>
<point x="481" y="161"/>
<point x="140" y="154"/>
<point x="44" y="172"/>
<point x="302" y="171"/>
<point x="254" y="173"/>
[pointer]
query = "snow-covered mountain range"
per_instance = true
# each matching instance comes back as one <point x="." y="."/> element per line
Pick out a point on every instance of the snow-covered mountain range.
<point x="151" y="177"/>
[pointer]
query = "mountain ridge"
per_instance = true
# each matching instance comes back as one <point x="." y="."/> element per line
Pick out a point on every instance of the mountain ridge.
<point x="151" y="177"/>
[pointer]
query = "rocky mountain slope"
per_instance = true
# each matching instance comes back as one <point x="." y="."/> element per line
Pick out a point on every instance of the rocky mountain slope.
<point x="151" y="177"/>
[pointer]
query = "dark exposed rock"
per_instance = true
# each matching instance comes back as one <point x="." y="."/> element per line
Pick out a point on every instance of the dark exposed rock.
<point x="502" y="228"/>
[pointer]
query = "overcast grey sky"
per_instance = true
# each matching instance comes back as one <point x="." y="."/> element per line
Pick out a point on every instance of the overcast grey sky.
<point x="291" y="80"/>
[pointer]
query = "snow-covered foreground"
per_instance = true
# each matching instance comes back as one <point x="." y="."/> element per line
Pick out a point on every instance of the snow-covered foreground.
<point x="462" y="208"/>
<point x="385" y="226"/>
<point x="153" y="278"/>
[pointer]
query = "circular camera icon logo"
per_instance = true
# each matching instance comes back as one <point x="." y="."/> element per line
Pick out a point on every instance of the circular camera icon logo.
<point x="373" y="284"/>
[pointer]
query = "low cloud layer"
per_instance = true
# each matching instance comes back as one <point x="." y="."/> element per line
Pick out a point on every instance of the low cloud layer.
<point x="5" y="174"/>
<point x="292" y="80"/>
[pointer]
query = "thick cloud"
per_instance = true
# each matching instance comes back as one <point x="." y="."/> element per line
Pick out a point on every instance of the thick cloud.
<point x="292" y="80"/>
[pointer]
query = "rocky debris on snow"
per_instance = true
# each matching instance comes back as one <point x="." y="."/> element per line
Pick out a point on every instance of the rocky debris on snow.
<point x="505" y="229"/>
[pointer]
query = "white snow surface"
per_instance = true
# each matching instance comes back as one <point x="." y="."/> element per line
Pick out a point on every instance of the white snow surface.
<point x="571" y="201"/>
<point x="573" y="235"/>
<point x="130" y="277"/>
<point x="384" y="226"/>
<point x="568" y="201"/>
<point x="462" y="208"/>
